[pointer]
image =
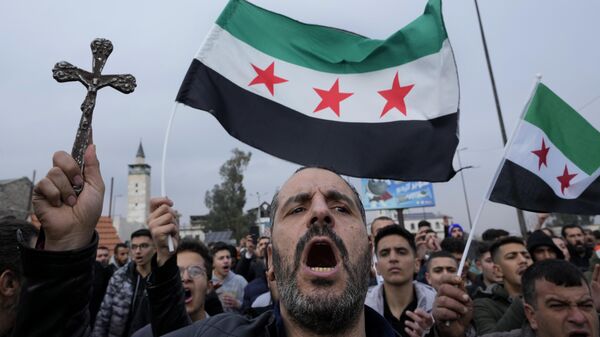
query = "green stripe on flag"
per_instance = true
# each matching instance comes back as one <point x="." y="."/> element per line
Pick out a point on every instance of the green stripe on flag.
<point x="576" y="138"/>
<point x="332" y="50"/>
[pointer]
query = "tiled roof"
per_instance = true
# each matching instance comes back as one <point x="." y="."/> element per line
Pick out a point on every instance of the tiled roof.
<point x="107" y="232"/>
<point x="224" y="236"/>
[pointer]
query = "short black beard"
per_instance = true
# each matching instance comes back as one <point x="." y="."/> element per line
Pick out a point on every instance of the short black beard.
<point x="330" y="314"/>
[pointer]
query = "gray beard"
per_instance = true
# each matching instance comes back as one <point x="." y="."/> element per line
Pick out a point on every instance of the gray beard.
<point x="323" y="314"/>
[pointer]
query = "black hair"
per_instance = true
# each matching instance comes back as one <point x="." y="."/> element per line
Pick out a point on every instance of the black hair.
<point x="219" y="246"/>
<point x="141" y="232"/>
<point x="439" y="254"/>
<point x="482" y="248"/>
<point x="596" y="234"/>
<point x="453" y="245"/>
<point x="359" y="204"/>
<point x="189" y="244"/>
<point x="102" y="247"/>
<point x="396" y="229"/>
<point x="423" y="223"/>
<point x="495" y="247"/>
<point x="119" y="245"/>
<point x="558" y="272"/>
<point x="493" y="234"/>
<point x="10" y="257"/>
<point x="563" y="231"/>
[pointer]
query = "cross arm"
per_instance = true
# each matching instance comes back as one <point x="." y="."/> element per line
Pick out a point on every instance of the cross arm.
<point x="66" y="72"/>
<point x="124" y="83"/>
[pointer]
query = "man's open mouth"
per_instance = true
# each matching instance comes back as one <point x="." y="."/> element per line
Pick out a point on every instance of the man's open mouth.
<point x="321" y="257"/>
<point x="187" y="295"/>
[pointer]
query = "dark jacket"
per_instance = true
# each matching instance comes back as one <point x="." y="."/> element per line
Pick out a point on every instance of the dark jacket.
<point x="102" y="275"/>
<point x="250" y="268"/>
<point x="257" y="287"/>
<point x="268" y="324"/>
<point x="494" y="311"/>
<point x="56" y="292"/>
<point x="125" y="307"/>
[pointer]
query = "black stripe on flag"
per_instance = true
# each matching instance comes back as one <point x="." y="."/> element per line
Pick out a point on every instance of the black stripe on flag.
<point x="409" y="151"/>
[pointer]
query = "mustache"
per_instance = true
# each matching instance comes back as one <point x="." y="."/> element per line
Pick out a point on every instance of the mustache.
<point x="320" y="230"/>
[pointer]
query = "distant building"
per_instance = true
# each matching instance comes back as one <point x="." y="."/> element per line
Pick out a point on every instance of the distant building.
<point x="15" y="197"/>
<point x="223" y="236"/>
<point x="263" y="219"/>
<point x="138" y="196"/>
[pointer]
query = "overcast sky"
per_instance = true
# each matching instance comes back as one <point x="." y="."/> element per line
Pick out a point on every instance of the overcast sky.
<point x="156" y="41"/>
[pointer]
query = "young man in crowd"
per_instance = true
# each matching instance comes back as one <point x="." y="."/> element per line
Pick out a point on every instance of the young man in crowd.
<point x="488" y="274"/>
<point x="252" y="260"/>
<point x="559" y="302"/>
<point x="402" y="301"/>
<point x="11" y="271"/>
<point x="439" y="264"/>
<point x="228" y="285"/>
<point x="579" y="251"/>
<point x="499" y="307"/>
<point x="120" y="256"/>
<point x="376" y="225"/>
<point x="177" y="279"/>
<point x="541" y="247"/>
<point x="125" y="309"/>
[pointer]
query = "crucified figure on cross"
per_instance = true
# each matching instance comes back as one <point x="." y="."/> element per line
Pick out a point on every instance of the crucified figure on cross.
<point x="66" y="72"/>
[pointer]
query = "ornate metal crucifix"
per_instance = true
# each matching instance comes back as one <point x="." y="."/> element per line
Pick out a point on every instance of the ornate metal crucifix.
<point x="66" y="72"/>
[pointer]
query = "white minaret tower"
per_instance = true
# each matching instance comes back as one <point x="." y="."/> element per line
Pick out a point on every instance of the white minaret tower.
<point x="138" y="189"/>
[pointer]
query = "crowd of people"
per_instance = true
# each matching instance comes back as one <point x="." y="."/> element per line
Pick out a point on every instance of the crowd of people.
<point x="324" y="271"/>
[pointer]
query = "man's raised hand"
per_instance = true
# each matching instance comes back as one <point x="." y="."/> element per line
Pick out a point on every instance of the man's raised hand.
<point x="163" y="222"/>
<point x="69" y="220"/>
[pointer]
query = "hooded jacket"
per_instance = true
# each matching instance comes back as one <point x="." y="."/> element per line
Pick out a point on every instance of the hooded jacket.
<point x="425" y="297"/>
<point x="495" y="311"/>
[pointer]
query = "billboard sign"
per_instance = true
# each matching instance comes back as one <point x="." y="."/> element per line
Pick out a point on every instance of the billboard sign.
<point x="388" y="194"/>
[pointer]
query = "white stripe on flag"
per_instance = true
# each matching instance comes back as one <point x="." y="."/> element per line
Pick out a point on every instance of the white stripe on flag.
<point x="435" y="91"/>
<point x="529" y="138"/>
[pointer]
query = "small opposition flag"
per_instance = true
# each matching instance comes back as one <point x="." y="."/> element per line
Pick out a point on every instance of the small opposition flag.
<point x="553" y="162"/>
<point x="321" y="96"/>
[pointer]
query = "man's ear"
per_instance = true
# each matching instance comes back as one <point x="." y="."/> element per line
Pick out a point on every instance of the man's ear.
<point x="417" y="264"/>
<point x="428" y="278"/>
<point x="530" y="315"/>
<point x="270" y="272"/>
<point x="498" y="271"/>
<point x="9" y="284"/>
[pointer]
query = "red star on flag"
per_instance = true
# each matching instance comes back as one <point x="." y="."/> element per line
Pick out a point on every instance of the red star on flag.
<point x="565" y="180"/>
<point x="542" y="154"/>
<point x="267" y="77"/>
<point x="395" y="97"/>
<point x="331" y="98"/>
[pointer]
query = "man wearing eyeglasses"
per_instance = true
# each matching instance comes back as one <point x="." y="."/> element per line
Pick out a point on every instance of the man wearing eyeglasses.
<point x="193" y="264"/>
<point x="125" y="307"/>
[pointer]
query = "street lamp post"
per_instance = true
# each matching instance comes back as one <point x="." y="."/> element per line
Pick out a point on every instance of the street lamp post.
<point x="114" y="208"/>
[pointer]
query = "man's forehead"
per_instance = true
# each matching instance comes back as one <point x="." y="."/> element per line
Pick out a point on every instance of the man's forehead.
<point x="443" y="261"/>
<point x="392" y="241"/>
<point x="141" y="239"/>
<point x="311" y="179"/>
<point x="513" y="247"/>
<point x="547" y="290"/>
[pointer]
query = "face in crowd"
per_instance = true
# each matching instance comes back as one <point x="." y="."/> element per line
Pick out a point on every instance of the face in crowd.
<point x="320" y="252"/>
<point x="122" y="255"/>
<point x="437" y="267"/>
<point x="142" y="250"/>
<point x="396" y="261"/>
<point x="102" y="256"/>
<point x="511" y="260"/>
<point x="194" y="276"/>
<point x="486" y="265"/>
<point x="222" y="263"/>
<point x="575" y="238"/>
<point x="261" y="247"/>
<point x="377" y="225"/>
<point x="543" y="253"/>
<point x="456" y="232"/>
<point x="560" y="243"/>
<point x="560" y="302"/>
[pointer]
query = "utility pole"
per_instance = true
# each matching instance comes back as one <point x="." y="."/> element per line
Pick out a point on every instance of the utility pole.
<point x="520" y="215"/>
